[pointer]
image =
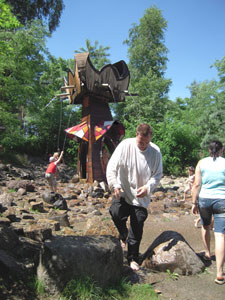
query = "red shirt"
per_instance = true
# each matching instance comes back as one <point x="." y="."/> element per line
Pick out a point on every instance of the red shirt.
<point x="52" y="168"/>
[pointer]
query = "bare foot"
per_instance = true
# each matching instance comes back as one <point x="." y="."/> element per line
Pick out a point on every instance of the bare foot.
<point x="196" y="223"/>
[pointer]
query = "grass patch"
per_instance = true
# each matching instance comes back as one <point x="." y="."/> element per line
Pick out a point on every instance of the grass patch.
<point x="166" y="220"/>
<point x="205" y="271"/>
<point x="35" y="211"/>
<point x="35" y="285"/>
<point x="39" y="286"/>
<point x="86" y="289"/>
<point x="172" y="275"/>
<point x="106" y="219"/>
<point x="141" y="292"/>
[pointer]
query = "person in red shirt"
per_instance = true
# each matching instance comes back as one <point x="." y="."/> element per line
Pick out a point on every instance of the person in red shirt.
<point x="51" y="171"/>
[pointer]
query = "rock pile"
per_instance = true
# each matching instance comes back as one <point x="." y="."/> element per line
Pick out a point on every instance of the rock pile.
<point x="50" y="234"/>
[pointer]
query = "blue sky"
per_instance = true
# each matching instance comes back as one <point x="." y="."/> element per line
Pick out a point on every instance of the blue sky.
<point x="195" y="35"/>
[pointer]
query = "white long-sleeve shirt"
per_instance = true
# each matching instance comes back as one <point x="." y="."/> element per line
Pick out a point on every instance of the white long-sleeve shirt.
<point x="129" y="168"/>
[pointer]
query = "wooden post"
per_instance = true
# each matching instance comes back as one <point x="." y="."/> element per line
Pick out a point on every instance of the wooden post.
<point x="91" y="138"/>
<point x="89" y="156"/>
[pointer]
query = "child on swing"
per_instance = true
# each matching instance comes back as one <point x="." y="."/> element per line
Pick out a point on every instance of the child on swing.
<point x="51" y="172"/>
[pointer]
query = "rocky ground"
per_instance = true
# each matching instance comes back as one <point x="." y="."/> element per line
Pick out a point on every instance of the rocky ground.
<point x="170" y="286"/>
<point x="25" y="193"/>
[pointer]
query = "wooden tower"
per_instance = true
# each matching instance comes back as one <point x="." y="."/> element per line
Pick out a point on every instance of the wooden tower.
<point x="97" y="134"/>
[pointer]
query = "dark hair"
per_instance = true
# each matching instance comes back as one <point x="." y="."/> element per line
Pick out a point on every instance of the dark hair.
<point x="144" y="129"/>
<point x="191" y="168"/>
<point x="214" y="148"/>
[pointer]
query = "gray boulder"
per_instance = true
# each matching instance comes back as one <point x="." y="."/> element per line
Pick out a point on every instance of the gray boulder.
<point x="71" y="257"/>
<point x="55" y="199"/>
<point x="18" y="255"/>
<point x="170" y="251"/>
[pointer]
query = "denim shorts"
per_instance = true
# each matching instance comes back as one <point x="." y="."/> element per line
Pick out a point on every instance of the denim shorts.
<point x="213" y="207"/>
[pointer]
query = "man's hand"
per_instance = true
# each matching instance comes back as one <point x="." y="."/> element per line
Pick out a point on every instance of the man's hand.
<point x="141" y="192"/>
<point x="116" y="192"/>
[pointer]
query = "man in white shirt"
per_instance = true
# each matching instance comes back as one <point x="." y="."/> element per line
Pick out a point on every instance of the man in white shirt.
<point x="133" y="172"/>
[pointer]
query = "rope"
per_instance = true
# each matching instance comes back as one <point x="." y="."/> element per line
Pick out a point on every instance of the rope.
<point x="60" y="124"/>
<point x="131" y="96"/>
<point x="67" y="127"/>
<point x="49" y="103"/>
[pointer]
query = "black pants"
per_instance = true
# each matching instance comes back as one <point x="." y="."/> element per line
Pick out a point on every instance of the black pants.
<point x="120" y="210"/>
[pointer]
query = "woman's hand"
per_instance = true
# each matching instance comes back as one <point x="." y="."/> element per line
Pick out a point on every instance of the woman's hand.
<point x="194" y="208"/>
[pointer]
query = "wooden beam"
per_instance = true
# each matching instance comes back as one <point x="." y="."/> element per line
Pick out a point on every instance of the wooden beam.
<point x="67" y="87"/>
<point x="63" y="95"/>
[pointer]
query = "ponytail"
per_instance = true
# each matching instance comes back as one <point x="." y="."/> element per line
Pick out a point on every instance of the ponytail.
<point x="214" y="149"/>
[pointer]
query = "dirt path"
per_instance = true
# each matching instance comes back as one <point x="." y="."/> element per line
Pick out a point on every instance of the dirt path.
<point x="194" y="287"/>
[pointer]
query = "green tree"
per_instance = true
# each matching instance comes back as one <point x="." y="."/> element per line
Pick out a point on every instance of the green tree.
<point x="219" y="107"/>
<point x="7" y="20"/>
<point x="21" y="67"/>
<point x="8" y="25"/>
<point x="206" y="110"/>
<point x="220" y="66"/>
<point x="47" y="120"/>
<point x="97" y="53"/>
<point x="30" y="77"/>
<point x="179" y="147"/>
<point x="45" y="10"/>
<point x="147" y="64"/>
<point x="21" y="64"/>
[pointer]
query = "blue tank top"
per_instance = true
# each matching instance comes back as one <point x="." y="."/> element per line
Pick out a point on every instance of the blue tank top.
<point x="213" y="178"/>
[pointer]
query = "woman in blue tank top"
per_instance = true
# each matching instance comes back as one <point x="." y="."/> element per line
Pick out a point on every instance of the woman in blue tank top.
<point x="208" y="197"/>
